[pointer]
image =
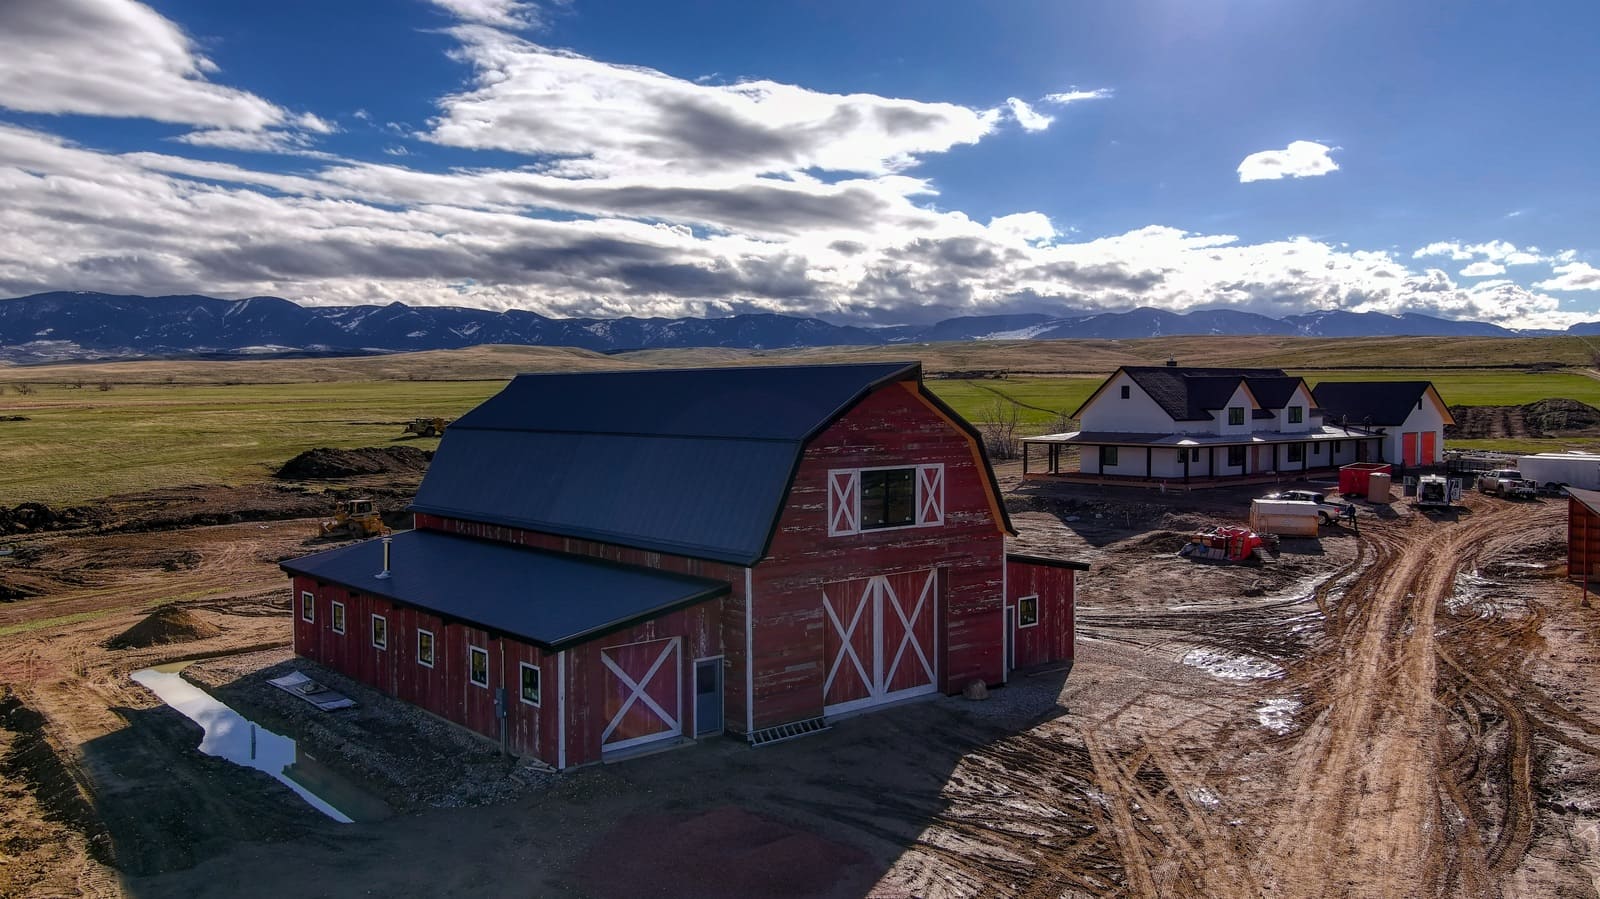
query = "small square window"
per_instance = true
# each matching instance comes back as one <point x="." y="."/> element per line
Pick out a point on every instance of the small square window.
<point x="1297" y="453"/>
<point x="478" y="666"/>
<point x="338" y="617"/>
<point x="530" y="684"/>
<point x="1108" y="457"/>
<point x="1235" y="457"/>
<point x="888" y="498"/>
<point x="1028" y="611"/>
<point x="380" y="632"/>
<point x="425" y="648"/>
<point x="308" y="606"/>
<point x="1296" y="415"/>
<point x="1235" y="415"/>
<point x="1125" y="391"/>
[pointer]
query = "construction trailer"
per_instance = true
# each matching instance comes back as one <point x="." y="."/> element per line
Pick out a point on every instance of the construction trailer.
<point x="1286" y="518"/>
<point x="1549" y="470"/>
<point x="614" y="561"/>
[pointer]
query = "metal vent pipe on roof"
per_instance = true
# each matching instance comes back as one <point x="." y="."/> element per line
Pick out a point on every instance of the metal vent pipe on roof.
<point x="387" y="547"/>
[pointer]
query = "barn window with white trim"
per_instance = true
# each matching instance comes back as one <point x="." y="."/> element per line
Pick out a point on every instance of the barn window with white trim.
<point x="1028" y="611"/>
<point x="530" y="684"/>
<point x="338" y="617"/>
<point x="888" y="498"/>
<point x="425" y="648"/>
<point x="478" y="665"/>
<point x="380" y="632"/>
<point x="308" y="606"/>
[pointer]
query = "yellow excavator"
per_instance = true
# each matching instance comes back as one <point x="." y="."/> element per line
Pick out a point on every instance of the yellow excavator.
<point x="353" y="518"/>
<point x="428" y="427"/>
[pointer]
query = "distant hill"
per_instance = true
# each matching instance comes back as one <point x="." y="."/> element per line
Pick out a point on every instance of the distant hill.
<point x="63" y="326"/>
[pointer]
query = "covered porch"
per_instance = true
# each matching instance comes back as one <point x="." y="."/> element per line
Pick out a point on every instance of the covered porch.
<point x="1194" y="460"/>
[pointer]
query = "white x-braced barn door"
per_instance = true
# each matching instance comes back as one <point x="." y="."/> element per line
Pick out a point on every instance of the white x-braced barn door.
<point x="879" y="639"/>
<point x="642" y="693"/>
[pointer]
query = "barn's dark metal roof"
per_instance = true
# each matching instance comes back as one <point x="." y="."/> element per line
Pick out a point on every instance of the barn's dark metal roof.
<point x="1380" y="403"/>
<point x="552" y="600"/>
<point x="1589" y="498"/>
<point x="693" y="462"/>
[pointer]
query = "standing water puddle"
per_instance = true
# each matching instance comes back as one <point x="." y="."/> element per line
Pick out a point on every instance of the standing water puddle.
<point x="231" y="736"/>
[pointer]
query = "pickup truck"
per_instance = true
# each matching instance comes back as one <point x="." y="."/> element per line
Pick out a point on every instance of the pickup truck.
<point x="1328" y="511"/>
<point x="1507" y="482"/>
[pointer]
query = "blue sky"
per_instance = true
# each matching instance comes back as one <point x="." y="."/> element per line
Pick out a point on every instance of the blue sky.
<point x="863" y="162"/>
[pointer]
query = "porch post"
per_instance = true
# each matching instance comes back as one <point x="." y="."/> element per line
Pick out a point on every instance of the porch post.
<point x="1025" y="447"/>
<point x="1211" y="461"/>
<point x="1149" y="469"/>
<point x="1187" y="452"/>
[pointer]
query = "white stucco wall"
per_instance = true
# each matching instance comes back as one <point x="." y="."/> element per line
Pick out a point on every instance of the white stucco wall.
<point x="1240" y="397"/>
<point x="1138" y="414"/>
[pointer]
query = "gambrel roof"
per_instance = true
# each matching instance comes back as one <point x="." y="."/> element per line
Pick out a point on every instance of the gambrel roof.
<point x="693" y="462"/>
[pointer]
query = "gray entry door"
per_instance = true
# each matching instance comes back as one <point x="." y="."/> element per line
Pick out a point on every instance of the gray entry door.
<point x="707" y="697"/>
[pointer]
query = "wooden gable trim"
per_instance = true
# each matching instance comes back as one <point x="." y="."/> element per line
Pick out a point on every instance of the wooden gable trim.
<point x="991" y="487"/>
<point x="1438" y="401"/>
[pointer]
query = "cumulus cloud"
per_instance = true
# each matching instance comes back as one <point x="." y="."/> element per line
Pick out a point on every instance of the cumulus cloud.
<point x="496" y="13"/>
<point x="1301" y="159"/>
<point x="1483" y="269"/>
<point x="582" y="117"/>
<point x="1498" y="252"/>
<point x="1573" y="276"/>
<point x="116" y="58"/>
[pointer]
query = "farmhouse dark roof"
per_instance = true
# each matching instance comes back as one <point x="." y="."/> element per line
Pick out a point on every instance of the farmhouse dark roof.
<point x="1380" y="403"/>
<point x="550" y="599"/>
<point x="694" y="462"/>
<point x="1191" y="394"/>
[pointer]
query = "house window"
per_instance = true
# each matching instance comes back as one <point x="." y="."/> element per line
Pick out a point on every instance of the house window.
<point x="1194" y="454"/>
<point x="1296" y="415"/>
<point x="1316" y="449"/>
<point x="425" y="648"/>
<point x="1235" y="415"/>
<point x="1297" y="453"/>
<point x="338" y="617"/>
<point x="1338" y="445"/>
<point x="308" y="606"/>
<point x="478" y="665"/>
<point x="380" y="632"/>
<point x="1235" y="457"/>
<point x="888" y="498"/>
<point x="1108" y="457"/>
<point x="1125" y="391"/>
<point x="1027" y="611"/>
<point x="530" y="684"/>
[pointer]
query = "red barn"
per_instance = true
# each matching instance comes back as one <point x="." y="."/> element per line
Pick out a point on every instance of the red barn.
<point x="1583" y="538"/>
<point x="607" y="560"/>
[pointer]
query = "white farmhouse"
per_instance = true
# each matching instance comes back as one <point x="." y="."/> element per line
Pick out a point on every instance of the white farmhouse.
<point x="1185" y="425"/>
<point x="1409" y="414"/>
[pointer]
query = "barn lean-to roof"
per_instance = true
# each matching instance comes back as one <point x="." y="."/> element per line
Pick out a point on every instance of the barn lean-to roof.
<point x="693" y="462"/>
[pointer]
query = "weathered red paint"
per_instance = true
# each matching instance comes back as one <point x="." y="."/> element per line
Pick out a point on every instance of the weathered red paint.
<point x="1051" y="640"/>
<point x="1583" y="544"/>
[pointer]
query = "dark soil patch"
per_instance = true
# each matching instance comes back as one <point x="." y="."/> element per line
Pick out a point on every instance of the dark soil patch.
<point x="325" y="463"/>
<point x="28" y="518"/>
<point x="165" y="625"/>
<point x="1545" y="418"/>
<point x="32" y="760"/>
<point x="726" y="851"/>
<point x="14" y="418"/>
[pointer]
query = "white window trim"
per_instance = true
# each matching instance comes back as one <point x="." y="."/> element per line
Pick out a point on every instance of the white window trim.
<point x="336" y="617"/>
<point x="918" y="498"/>
<point x="521" y="693"/>
<point x="374" y="626"/>
<point x="470" y="650"/>
<point x="1038" y="612"/>
<point x="308" y="606"/>
<point x="433" y="647"/>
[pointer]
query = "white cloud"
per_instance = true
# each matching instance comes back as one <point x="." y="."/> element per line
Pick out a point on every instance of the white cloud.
<point x="514" y="14"/>
<point x="1301" y="159"/>
<point x="1573" y="276"/>
<point x="1494" y="251"/>
<point x="1026" y="117"/>
<point x="1074" y="96"/>
<point x="115" y="58"/>
<point x="1483" y="269"/>
<point x="590" y="118"/>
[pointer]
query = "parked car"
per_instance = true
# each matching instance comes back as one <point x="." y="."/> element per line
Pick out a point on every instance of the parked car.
<point x="1328" y="511"/>
<point x="1507" y="482"/>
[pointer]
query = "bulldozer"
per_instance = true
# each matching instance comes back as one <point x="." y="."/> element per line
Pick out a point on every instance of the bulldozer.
<point x="428" y="427"/>
<point x="353" y="518"/>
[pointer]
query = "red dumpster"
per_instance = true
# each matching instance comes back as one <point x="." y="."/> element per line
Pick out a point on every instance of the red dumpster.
<point x="1353" y="477"/>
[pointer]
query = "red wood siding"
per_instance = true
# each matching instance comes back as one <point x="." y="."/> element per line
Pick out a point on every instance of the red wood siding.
<point x="1051" y="640"/>
<point x="1583" y="545"/>
<point x="893" y="426"/>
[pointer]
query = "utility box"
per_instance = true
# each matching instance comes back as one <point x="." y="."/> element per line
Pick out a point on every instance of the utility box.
<point x="1287" y="518"/>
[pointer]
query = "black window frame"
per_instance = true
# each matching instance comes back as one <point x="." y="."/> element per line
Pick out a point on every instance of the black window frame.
<point x="1295" y="453"/>
<point x="1297" y="415"/>
<point x="1126" y="391"/>
<point x="879" y="509"/>
<point x="1108" y="457"/>
<point x="1235" y="415"/>
<point x="1236" y="450"/>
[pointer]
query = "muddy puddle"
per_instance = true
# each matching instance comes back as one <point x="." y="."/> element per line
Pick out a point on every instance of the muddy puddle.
<point x="231" y="736"/>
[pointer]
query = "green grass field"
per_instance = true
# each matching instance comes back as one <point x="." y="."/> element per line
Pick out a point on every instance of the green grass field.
<point x="1482" y="387"/>
<point x="79" y="444"/>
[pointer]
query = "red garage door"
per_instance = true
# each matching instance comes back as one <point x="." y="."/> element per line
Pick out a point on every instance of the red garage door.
<point x="1408" y="448"/>
<point x="643" y="702"/>
<point x="1430" y="452"/>
<point x="879" y="639"/>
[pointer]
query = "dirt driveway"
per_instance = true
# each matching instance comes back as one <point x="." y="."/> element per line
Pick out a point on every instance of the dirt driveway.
<point x="1404" y="712"/>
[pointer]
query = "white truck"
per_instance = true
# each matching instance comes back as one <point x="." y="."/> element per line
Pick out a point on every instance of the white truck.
<point x="1554" y="470"/>
<point x="1507" y="482"/>
<point x="1436" y="492"/>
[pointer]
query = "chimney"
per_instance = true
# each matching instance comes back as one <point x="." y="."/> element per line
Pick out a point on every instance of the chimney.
<point x="386" y="546"/>
<point x="1171" y="362"/>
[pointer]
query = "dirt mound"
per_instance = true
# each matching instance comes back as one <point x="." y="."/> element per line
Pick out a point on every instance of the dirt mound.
<point x="167" y="625"/>
<point x="14" y="418"/>
<point x="1545" y="418"/>
<point x="28" y="518"/>
<point x="325" y="463"/>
